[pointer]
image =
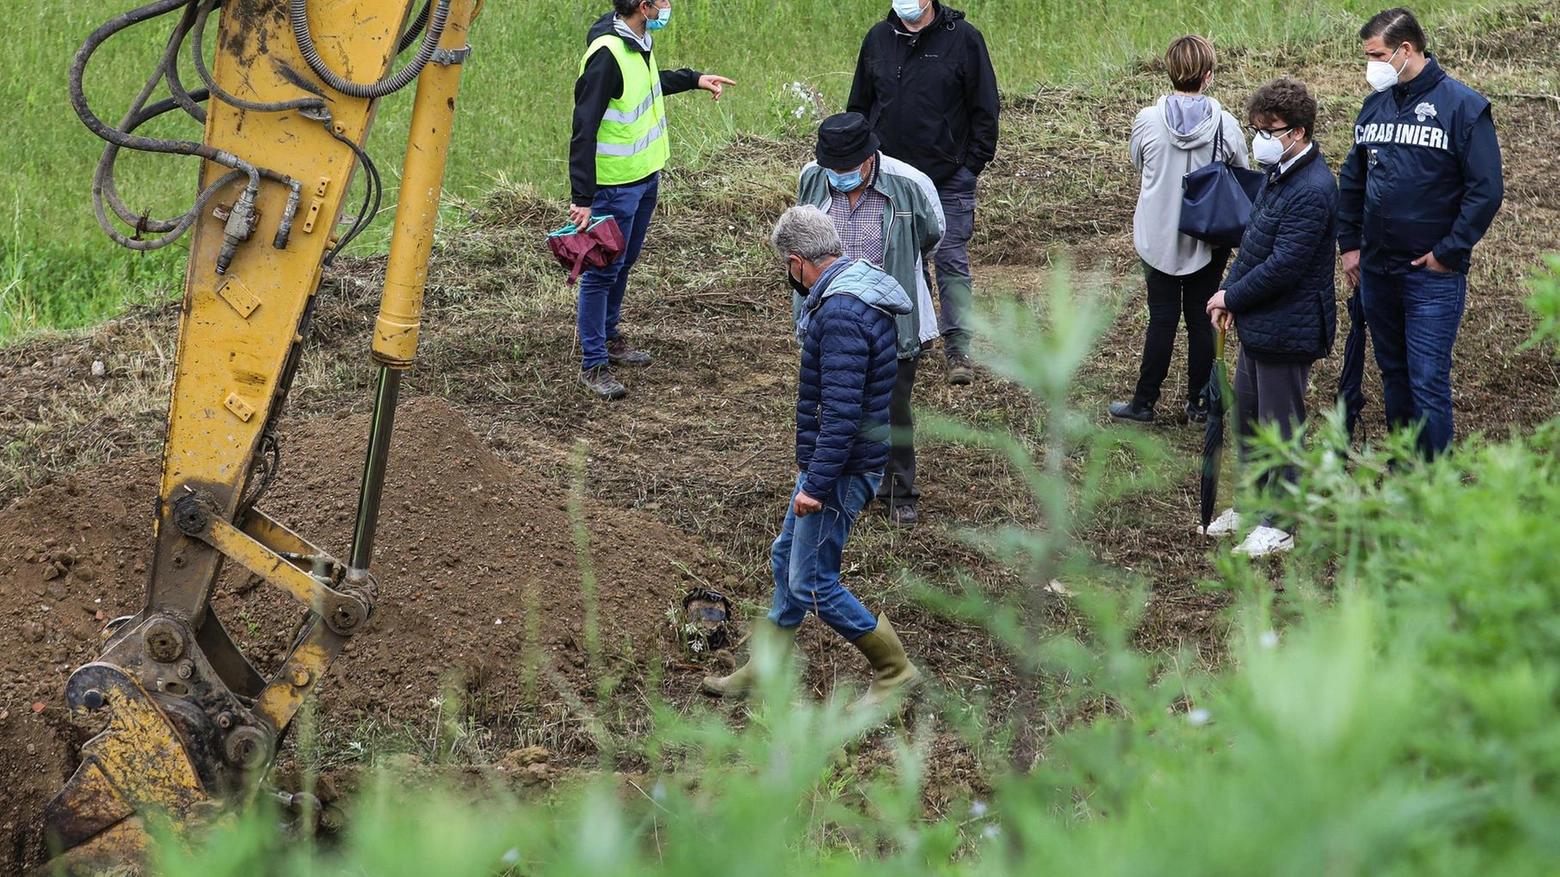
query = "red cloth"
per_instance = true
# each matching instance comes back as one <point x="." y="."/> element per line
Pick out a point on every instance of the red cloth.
<point x="597" y="246"/>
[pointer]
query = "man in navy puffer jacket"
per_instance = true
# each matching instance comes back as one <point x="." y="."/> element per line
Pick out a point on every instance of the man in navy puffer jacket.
<point x="850" y="359"/>
<point x="1280" y="292"/>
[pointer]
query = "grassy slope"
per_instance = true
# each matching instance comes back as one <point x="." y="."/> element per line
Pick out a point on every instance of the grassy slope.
<point x="57" y="270"/>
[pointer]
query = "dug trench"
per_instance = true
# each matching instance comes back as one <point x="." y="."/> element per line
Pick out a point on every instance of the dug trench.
<point x="684" y="481"/>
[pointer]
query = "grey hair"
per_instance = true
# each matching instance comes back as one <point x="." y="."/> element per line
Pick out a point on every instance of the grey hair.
<point x="625" y="8"/>
<point x="808" y="232"/>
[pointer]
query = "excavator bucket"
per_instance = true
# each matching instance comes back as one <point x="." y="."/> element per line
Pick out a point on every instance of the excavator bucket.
<point x="137" y="765"/>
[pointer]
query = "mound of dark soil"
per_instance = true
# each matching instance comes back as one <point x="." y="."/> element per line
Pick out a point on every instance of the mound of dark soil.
<point x="466" y="542"/>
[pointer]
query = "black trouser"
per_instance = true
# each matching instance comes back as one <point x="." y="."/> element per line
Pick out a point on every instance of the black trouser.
<point x="1268" y="393"/>
<point x="1351" y="376"/>
<point x="898" y="485"/>
<point x="1170" y="299"/>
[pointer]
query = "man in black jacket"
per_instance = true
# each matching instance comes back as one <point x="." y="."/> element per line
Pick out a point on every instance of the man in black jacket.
<point x="925" y="83"/>
<point x="1280" y="293"/>
<point x="616" y="154"/>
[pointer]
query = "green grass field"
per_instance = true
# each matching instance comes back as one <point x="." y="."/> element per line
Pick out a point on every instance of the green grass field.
<point x="57" y="270"/>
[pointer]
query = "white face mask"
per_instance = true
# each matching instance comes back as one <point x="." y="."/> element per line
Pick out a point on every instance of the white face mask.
<point x="1266" y="152"/>
<point x="1381" y="74"/>
<point x="908" y="10"/>
<point x="1269" y="151"/>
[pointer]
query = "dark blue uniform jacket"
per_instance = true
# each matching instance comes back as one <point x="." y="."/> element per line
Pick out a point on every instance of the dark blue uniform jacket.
<point x="1424" y="175"/>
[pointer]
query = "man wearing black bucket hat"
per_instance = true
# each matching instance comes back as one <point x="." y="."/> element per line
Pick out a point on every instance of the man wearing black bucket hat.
<point x="887" y="213"/>
<point x="925" y="83"/>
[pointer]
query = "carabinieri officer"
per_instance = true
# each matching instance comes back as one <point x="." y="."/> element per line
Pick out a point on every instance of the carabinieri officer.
<point x="1418" y="190"/>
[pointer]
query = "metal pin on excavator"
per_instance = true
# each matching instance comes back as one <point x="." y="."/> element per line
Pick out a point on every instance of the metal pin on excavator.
<point x="192" y="725"/>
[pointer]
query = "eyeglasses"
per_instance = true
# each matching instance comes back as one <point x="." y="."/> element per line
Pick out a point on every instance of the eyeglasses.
<point x="1269" y="133"/>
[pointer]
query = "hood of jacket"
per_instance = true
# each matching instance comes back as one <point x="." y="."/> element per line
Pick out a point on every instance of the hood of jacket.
<point x="1200" y="134"/>
<point x="603" y="26"/>
<point x="866" y="282"/>
<point x="609" y="24"/>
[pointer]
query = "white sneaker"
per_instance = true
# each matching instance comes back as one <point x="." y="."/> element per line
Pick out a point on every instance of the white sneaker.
<point x="1223" y="525"/>
<point x="1263" y="541"/>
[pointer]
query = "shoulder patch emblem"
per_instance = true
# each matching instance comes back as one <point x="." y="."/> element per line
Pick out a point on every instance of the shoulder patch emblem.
<point x="1425" y="111"/>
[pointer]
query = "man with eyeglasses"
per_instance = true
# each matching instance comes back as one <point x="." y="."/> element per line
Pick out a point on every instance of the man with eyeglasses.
<point x="1280" y="293"/>
<point x="1420" y="188"/>
<point x="619" y="146"/>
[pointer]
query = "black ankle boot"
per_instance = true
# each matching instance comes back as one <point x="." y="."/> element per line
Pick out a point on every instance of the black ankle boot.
<point x="1132" y="411"/>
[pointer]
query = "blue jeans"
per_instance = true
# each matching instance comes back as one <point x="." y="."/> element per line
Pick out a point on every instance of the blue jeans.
<point x="1413" y="320"/>
<point x="601" y="289"/>
<point x="806" y="560"/>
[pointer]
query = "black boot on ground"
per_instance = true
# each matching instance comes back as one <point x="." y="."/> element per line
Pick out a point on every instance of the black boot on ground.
<point x="1132" y="411"/>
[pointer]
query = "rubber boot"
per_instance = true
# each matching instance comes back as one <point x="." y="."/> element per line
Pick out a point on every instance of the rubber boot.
<point x="892" y="670"/>
<point x="743" y="679"/>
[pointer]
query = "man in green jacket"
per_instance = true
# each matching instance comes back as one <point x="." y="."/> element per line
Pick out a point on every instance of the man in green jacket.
<point x="887" y="213"/>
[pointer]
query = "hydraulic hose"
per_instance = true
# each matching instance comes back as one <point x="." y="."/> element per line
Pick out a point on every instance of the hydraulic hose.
<point x="103" y="188"/>
<point x="180" y="226"/>
<point x="298" y="14"/>
<point x="373" y="191"/>
<point x="169" y="68"/>
<point x="183" y="96"/>
<point x="409" y="38"/>
<point x="103" y="178"/>
<point x="78" y="97"/>
<point x="133" y="119"/>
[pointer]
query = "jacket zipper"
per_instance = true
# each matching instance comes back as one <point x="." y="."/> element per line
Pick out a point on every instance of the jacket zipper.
<point x="915" y="43"/>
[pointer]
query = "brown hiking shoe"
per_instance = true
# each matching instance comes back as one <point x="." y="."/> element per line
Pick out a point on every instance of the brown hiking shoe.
<point x="600" y="380"/>
<point x="619" y="353"/>
<point x="961" y="371"/>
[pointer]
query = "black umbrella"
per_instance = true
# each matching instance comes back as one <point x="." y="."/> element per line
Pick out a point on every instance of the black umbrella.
<point x="1214" y="396"/>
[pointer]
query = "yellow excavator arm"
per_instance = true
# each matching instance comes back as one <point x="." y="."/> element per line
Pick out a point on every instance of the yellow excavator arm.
<point x="286" y="98"/>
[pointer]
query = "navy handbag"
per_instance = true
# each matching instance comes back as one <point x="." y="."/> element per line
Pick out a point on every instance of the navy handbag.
<point x="1216" y="200"/>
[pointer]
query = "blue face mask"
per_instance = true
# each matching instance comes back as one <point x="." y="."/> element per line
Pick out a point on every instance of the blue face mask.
<point x="849" y="181"/>
<point x="663" y="16"/>
<point x="908" y="10"/>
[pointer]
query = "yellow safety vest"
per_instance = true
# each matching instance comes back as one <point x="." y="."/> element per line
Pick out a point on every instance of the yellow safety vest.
<point x="631" y="143"/>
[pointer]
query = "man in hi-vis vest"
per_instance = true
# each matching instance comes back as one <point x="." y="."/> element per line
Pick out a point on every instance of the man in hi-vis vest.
<point x="619" y="146"/>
